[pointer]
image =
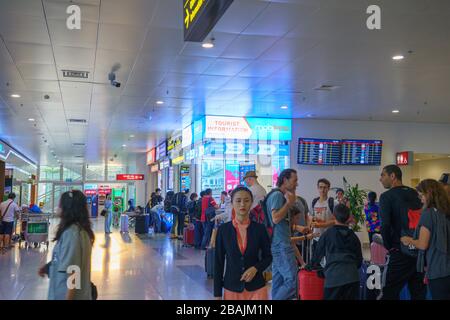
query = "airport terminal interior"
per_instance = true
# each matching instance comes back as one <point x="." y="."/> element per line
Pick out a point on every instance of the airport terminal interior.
<point x="149" y="113"/>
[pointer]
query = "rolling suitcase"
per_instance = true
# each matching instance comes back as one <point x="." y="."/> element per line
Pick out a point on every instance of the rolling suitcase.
<point x="188" y="235"/>
<point x="124" y="223"/>
<point x="142" y="224"/>
<point x="310" y="285"/>
<point x="378" y="254"/>
<point x="209" y="262"/>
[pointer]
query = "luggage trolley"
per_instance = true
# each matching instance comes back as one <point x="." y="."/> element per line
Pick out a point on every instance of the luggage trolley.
<point x="35" y="229"/>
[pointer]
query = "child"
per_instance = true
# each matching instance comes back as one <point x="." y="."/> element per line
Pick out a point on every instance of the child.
<point x="372" y="210"/>
<point x="342" y="251"/>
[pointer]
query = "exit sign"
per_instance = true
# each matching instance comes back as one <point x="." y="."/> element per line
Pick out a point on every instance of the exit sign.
<point x="200" y="16"/>
<point x="130" y="177"/>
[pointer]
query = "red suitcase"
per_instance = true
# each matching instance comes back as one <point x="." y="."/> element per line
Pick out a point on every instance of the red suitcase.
<point x="188" y="235"/>
<point x="377" y="254"/>
<point x="310" y="285"/>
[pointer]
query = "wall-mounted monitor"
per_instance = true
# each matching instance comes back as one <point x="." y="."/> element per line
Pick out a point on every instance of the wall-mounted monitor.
<point x="361" y="152"/>
<point x="319" y="151"/>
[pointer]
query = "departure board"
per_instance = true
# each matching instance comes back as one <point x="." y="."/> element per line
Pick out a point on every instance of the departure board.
<point x="319" y="151"/>
<point x="361" y="152"/>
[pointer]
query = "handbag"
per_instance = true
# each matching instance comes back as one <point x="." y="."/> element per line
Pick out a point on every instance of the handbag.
<point x="103" y="213"/>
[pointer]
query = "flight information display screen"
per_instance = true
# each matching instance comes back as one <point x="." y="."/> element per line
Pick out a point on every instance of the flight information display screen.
<point x="319" y="151"/>
<point x="361" y="152"/>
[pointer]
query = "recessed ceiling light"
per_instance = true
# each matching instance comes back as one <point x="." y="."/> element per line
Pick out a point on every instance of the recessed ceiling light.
<point x="31" y="119"/>
<point x="398" y="57"/>
<point x="284" y="107"/>
<point x="159" y="102"/>
<point x="395" y="111"/>
<point x="131" y="135"/>
<point x="15" y="95"/>
<point x="124" y="145"/>
<point x="208" y="44"/>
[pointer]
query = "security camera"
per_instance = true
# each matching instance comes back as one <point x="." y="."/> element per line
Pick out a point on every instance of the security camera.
<point x="112" y="79"/>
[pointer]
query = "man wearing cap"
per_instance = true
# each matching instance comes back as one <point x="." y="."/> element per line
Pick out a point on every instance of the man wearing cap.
<point x="445" y="182"/>
<point x="259" y="193"/>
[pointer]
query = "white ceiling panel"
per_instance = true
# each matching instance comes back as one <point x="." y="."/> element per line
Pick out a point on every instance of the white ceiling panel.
<point x="30" y="53"/>
<point x="22" y="7"/>
<point x="206" y="81"/>
<point x="38" y="71"/>
<point x="169" y="14"/>
<point x="178" y="79"/>
<point x="47" y="86"/>
<point x="136" y="12"/>
<point x="163" y="41"/>
<point x="277" y="19"/>
<point x="227" y="67"/>
<point x="221" y="42"/>
<point x="86" y="37"/>
<point x="74" y="58"/>
<point x="23" y="28"/>
<point x="120" y="37"/>
<point x="248" y="47"/>
<point x="184" y="64"/>
<point x="261" y="68"/>
<point x="56" y="9"/>
<point x="239" y="15"/>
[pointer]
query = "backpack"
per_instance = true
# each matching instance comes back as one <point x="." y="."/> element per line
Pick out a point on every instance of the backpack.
<point x="179" y="201"/>
<point x="168" y="201"/>
<point x="210" y="211"/>
<point x="330" y="203"/>
<point x="411" y="213"/>
<point x="262" y="213"/>
<point x="198" y="209"/>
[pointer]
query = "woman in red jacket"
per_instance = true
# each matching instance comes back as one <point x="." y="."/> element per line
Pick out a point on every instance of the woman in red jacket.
<point x="238" y="245"/>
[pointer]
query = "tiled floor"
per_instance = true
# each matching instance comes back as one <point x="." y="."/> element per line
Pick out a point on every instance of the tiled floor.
<point x="124" y="266"/>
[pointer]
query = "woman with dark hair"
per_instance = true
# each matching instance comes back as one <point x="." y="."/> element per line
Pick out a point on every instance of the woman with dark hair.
<point x="72" y="253"/>
<point x="433" y="236"/>
<point x="243" y="250"/>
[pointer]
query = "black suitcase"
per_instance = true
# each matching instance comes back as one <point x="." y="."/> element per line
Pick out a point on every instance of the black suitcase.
<point x="142" y="224"/>
<point x="209" y="262"/>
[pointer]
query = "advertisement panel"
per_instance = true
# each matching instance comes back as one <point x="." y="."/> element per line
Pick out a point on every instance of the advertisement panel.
<point x="247" y="128"/>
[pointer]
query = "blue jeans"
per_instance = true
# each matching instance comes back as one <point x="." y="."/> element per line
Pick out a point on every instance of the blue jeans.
<point x="198" y="233"/>
<point x="284" y="274"/>
<point x="108" y="220"/>
<point x="207" y="229"/>
<point x="156" y="221"/>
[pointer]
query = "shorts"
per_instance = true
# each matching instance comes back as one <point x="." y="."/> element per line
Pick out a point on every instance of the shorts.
<point x="6" y="228"/>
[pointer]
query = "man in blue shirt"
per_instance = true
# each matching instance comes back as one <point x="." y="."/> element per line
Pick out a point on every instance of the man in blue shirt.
<point x="284" y="265"/>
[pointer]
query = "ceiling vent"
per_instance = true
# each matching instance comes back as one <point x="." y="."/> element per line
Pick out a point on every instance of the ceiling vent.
<point x="75" y="74"/>
<point x="79" y="121"/>
<point x="78" y="144"/>
<point x="326" y="87"/>
<point x="79" y="156"/>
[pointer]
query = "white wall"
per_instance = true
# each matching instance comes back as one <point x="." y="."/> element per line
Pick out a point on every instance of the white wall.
<point x="420" y="138"/>
<point x="431" y="168"/>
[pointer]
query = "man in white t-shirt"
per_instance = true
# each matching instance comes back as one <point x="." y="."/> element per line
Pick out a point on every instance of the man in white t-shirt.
<point x="8" y="209"/>
<point x="322" y="210"/>
<point x="259" y="193"/>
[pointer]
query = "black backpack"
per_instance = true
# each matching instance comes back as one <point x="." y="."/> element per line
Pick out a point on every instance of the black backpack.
<point x="330" y="203"/>
<point x="198" y="209"/>
<point x="168" y="201"/>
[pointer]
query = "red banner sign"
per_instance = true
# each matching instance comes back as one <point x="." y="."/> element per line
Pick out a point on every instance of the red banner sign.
<point x="404" y="158"/>
<point x="130" y="177"/>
